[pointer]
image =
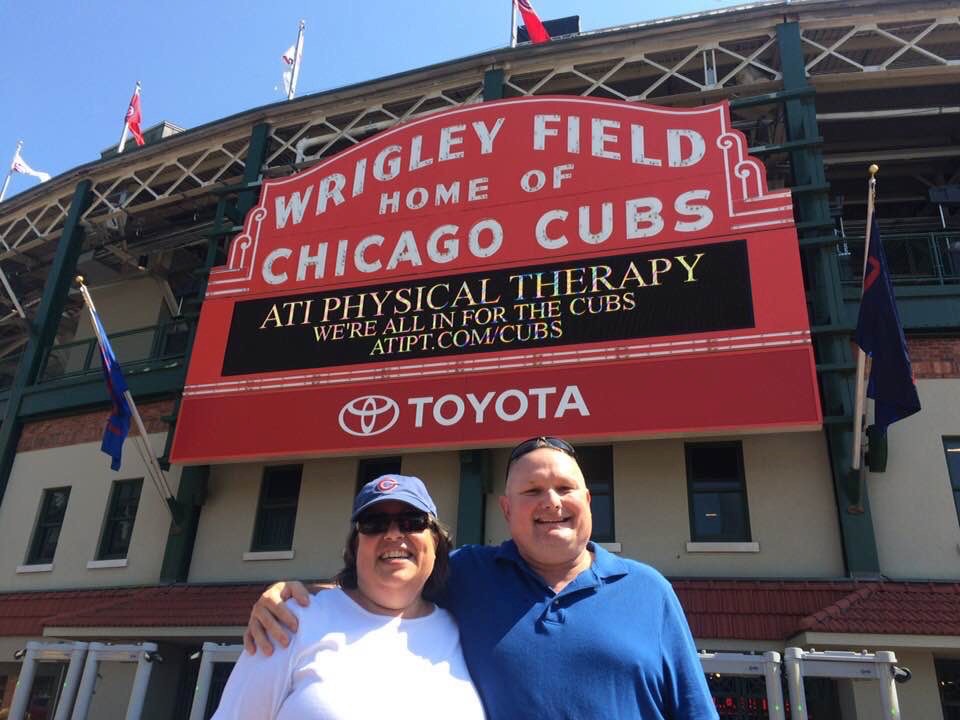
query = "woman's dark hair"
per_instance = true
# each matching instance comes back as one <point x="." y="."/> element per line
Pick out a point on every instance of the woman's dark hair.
<point x="347" y="577"/>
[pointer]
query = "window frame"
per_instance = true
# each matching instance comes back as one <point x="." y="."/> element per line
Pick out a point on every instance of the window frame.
<point x="113" y="516"/>
<point x="952" y="444"/>
<point x="257" y="543"/>
<point x="747" y="534"/>
<point x="587" y="466"/>
<point x="41" y="524"/>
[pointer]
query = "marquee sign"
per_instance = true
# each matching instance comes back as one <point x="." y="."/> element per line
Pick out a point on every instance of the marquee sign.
<point x="558" y="265"/>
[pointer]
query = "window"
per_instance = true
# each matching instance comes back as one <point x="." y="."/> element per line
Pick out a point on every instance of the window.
<point x="53" y="506"/>
<point x="597" y="464"/>
<point x="118" y="525"/>
<point x="371" y="468"/>
<point x="44" y="697"/>
<point x="277" y="509"/>
<point x="948" y="679"/>
<point x="952" y="447"/>
<point x="717" y="493"/>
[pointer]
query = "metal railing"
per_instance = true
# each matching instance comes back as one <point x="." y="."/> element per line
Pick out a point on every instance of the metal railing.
<point x="914" y="258"/>
<point x="141" y="346"/>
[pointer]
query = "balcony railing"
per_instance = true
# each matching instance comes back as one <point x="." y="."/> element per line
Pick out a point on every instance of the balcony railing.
<point x="142" y="347"/>
<point x="913" y="259"/>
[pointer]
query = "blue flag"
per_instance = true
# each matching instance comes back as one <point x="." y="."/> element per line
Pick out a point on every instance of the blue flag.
<point x="118" y="424"/>
<point x="880" y="334"/>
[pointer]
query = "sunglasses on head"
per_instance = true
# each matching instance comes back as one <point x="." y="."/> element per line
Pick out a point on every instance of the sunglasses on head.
<point x="379" y="523"/>
<point x="528" y="446"/>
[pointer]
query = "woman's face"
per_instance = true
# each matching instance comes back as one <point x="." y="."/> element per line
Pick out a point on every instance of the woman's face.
<point x="393" y="566"/>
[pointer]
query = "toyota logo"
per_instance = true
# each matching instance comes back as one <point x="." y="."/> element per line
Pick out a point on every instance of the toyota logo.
<point x="369" y="415"/>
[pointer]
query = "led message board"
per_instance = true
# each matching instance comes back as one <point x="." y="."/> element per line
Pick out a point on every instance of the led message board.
<point x="557" y="265"/>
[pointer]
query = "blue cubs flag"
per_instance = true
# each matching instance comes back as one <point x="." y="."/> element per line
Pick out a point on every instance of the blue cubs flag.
<point x="118" y="424"/>
<point x="880" y="334"/>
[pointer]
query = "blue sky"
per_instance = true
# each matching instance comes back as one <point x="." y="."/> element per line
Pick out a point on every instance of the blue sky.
<point x="69" y="66"/>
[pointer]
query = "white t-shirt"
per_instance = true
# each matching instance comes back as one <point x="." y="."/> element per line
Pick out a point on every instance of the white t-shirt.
<point x="345" y="663"/>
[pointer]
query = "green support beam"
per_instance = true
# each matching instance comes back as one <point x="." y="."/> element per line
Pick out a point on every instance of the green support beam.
<point x="475" y="464"/>
<point x="472" y="504"/>
<point x="820" y="260"/>
<point x="256" y="157"/>
<point x="191" y="494"/>
<point x="43" y="329"/>
<point x="193" y="480"/>
<point x="493" y="85"/>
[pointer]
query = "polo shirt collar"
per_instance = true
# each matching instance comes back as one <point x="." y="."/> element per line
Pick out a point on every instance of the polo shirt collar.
<point x="605" y="564"/>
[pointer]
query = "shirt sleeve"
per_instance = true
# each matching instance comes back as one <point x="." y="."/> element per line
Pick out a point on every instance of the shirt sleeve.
<point x="685" y="691"/>
<point x="258" y="684"/>
<point x="447" y="597"/>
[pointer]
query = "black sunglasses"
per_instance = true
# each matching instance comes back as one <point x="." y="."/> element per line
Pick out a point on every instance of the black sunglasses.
<point x="528" y="446"/>
<point x="379" y="523"/>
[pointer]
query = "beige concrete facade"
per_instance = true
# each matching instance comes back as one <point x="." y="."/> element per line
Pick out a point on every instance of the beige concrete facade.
<point x="651" y="513"/>
<point x="228" y="516"/>
<point x="914" y="516"/>
<point x="652" y="521"/>
<point x="86" y="470"/>
<point x="919" y="698"/>
<point x="134" y="303"/>
<point x="323" y="516"/>
<point x="652" y="518"/>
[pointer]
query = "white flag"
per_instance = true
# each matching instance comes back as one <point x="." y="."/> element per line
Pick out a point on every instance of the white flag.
<point x="20" y="166"/>
<point x="290" y="59"/>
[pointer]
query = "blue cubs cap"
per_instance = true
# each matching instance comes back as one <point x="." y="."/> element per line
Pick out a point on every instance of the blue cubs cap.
<point x="402" y="488"/>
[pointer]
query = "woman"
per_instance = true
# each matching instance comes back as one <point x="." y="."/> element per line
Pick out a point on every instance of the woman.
<point x="375" y="647"/>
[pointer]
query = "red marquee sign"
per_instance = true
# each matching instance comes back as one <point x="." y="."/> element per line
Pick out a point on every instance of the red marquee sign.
<point x="557" y="265"/>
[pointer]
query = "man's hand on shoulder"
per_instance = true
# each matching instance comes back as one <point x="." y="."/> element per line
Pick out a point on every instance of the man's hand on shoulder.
<point x="270" y="619"/>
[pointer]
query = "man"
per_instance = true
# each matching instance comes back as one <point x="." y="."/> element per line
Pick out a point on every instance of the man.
<point x="552" y="625"/>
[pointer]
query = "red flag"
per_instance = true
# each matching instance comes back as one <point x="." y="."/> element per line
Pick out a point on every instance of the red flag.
<point x="133" y="117"/>
<point x="535" y="29"/>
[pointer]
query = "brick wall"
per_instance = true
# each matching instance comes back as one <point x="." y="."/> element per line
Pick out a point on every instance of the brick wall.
<point x="87" y="427"/>
<point x="935" y="357"/>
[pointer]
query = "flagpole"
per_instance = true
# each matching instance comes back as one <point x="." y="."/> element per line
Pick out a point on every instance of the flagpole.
<point x="6" y="180"/>
<point x="143" y="447"/>
<point x="297" y="55"/>
<point x="126" y="125"/>
<point x="513" y="23"/>
<point x="860" y="397"/>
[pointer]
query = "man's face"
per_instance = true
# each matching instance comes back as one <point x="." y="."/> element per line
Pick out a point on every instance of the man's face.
<point x="547" y="506"/>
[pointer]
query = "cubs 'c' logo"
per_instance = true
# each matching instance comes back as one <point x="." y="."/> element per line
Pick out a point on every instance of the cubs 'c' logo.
<point x="369" y="415"/>
<point x="387" y="484"/>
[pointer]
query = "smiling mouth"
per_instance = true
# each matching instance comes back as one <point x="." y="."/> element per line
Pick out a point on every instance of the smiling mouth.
<point x="396" y="555"/>
<point x="559" y="521"/>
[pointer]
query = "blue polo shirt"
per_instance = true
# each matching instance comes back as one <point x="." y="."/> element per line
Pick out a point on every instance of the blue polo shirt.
<point x="614" y="643"/>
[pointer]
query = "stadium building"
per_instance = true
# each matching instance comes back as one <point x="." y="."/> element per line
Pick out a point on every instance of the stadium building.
<point x="712" y="406"/>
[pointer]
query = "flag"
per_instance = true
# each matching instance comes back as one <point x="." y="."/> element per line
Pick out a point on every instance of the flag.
<point x="535" y="29"/>
<point x="291" y="58"/>
<point x="118" y="424"/>
<point x="133" y="116"/>
<point x="20" y="166"/>
<point x="880" y="334"/>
